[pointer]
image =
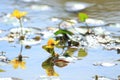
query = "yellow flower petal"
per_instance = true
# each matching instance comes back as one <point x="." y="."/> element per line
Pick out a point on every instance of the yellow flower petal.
<point x="22" y="65"/>
<point x="15" y="63"/>
<point x="51" y="42"/>
<point x="16" y="13"/>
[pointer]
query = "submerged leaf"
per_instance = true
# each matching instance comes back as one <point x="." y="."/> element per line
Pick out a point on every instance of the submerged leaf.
<point x="82" y="53"/>
<point x="82" y="17"/>
<point x="1" y="70"/>
<point x="60" y="31"/>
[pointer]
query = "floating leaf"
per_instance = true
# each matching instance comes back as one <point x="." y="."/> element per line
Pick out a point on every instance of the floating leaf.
<point x="36" y="38"/>
<point x="70" y="51"/>
<point x="27" y="47"/>
<point x="1" y="70"/>
<point x="60" y="31"/>
<point x="82" y="53"/>
<point x="82" y="17"/>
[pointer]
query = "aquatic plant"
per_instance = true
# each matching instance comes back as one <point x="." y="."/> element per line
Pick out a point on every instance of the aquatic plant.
<point x="67" y="44"/>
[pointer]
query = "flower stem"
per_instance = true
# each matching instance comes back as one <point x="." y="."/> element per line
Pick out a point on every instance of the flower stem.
<point x="21" y="49"/>
<point x="21" y="26"/>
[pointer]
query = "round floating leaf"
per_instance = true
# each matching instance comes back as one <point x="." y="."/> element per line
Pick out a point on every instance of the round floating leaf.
<point x="82" y="17"/>
<point x="82" y="53"/>
<point x="1" y="70"/>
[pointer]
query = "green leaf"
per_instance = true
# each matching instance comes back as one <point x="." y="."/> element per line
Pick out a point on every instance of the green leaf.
<point x="82" y="53"/>
<point x="70" y="51"/>
<point x="82" y="17"/>
<point x="60" y="31"/>
<point x="47" y="63"/>
<point x="1" y="70"/>
<point x="49" y="50"/>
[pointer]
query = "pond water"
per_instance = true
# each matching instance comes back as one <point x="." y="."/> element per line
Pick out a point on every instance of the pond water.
<point x="41" y="14"/>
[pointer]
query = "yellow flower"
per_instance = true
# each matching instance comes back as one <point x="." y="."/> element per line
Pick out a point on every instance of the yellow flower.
<point x="18" y="63"/>
<point x="18" y="14"/>
<point x="51" y="43"/>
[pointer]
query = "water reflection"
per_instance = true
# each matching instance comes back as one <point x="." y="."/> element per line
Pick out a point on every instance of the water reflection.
<point x="50" y="13"/>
